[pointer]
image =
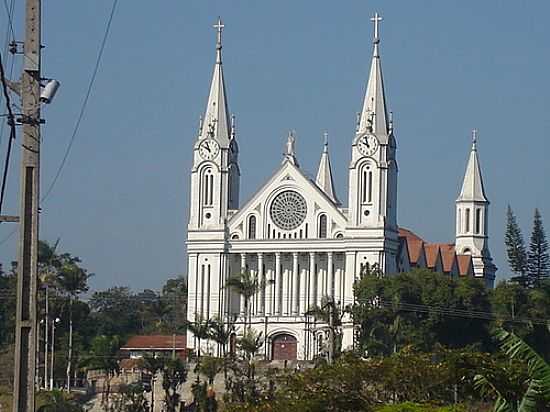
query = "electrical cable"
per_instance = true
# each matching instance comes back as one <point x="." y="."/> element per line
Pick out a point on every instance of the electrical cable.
<point x="11" y="123"/>
<point x="84" y="104"/>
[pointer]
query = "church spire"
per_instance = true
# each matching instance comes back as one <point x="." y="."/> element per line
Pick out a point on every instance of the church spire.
<point x="324" y="175"/>
<point x="374" y="116"/>
<point x="216" y="117"/>
<point x="472" y="186"/>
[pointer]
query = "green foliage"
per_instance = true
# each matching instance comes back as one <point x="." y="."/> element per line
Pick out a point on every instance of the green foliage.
<point x="535" y="392"/>
<point x="417" y="407"/>
<point x="511" y="301"/>
<point x="515" y="247"/>
<point x="57" y="401"/>
<point x="413" y="309"/>
<point x="538" y="262"/>
<point x="174" y="373"/>
<point x="8" y="284"/>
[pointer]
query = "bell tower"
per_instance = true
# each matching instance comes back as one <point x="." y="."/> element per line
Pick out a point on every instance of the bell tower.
<point x="472" y="219"/>
<point x="372" y="205"/>
<point x="215" y="175"/>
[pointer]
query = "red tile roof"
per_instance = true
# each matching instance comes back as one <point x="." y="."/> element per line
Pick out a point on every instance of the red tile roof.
<point x="432" y="251"/>
<point x="447" y="255"/>
<point x="158" y="342"/>
<point x="414" y="244"/>
<point x="464" y="264"/>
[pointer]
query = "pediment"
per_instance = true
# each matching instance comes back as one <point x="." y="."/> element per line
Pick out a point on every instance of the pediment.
<point x="287" y="178"/>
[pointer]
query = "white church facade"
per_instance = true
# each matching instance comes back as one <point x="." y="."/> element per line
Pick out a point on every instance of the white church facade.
<point x="295" y="234"/>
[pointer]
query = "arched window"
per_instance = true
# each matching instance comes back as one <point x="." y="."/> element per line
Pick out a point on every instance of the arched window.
<point x="252" y="227"/>
<point x="478" y="221"/>
<point x="366" y="185"/>
<point x="208" y="187"/>
<point x="322" y="230"/>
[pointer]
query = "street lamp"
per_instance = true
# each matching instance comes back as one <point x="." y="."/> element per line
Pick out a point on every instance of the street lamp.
<point x="54" y="322"/>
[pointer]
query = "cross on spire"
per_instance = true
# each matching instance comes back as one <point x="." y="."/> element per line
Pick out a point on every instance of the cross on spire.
<point x="474" y="139"/>
<point x="376" y="19"/>
<point x="219" y="27"/>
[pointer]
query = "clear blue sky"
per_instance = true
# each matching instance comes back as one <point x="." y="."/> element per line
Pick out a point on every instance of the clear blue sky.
<point x="121" y="202"/>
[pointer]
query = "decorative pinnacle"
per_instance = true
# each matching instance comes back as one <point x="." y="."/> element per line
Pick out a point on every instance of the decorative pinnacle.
<point x="233" y="127"/>
<point x="219" y="27"/>
<point x="325" y="137"/>
<point x="474" y="139"/>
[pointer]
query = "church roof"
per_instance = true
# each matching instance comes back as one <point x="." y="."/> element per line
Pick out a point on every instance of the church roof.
<point x="464" y="264"/>
<point x="415" y="245"/>
<point x="216" y="121"/>
<point x="472" y="186"/>
<point x="447" y="255"/>
<point x="324" y="178"/>
<point x="432" y="254"/>
<point x="374" y="115"/>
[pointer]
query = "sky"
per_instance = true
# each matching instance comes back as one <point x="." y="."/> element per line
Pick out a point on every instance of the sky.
<point x="121" y="202"/>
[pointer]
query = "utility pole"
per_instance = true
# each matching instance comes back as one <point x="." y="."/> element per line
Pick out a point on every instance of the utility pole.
<point x="26" y="326"/>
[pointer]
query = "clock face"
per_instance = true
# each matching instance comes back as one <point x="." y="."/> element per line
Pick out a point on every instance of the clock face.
<point x="368" y="144"/>
<point x="209" y="149"/>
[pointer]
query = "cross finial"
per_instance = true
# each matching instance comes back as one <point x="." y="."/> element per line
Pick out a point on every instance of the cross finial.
<point x="376" y="19"/>
<point x="219" y="27"/>
<point x="474" y="138"/>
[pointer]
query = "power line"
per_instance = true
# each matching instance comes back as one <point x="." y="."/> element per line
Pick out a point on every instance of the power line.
<point x="11" y="123"/>
<point x="9" y="11"/>
<point x="84" y="103"/>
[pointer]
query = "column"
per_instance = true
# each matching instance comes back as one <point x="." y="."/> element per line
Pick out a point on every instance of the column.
<point x="269" y="290"/>
<point x="338" y="283"/>
<point x="243" y="270"/>
<point x="263" y="281"/>
<point x="278" y="284"/>
<point x="348" y="277"/>
<point x="330" y="275"/>
<point x="295" y="298"/>
<point x="303" y="289"/>
<point x="312" y="281"/>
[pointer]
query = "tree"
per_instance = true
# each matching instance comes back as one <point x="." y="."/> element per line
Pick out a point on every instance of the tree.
<point x="57" y="401"/>
<point x="246" y="285"/>
<point x="110" y="310"/>
<point x="330" y="314"/>
<point x="515" y="247"/>
<point x="536" y="396"/>
<point x="174" y="299"/>
<point x="152" y="365"/>
<point x="538" y="262"/>
<point x="73" y="280"/>
<point x="418" y="308"/>
<point x="201" y="330"/>
<point x="104" y="355"/>
<point x="174" y="374"/>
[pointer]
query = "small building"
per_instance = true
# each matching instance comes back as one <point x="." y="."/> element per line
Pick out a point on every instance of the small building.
<point x="155" y="345"/>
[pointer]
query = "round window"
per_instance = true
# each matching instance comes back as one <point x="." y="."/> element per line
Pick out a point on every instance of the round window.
<point x="288" y="210"/>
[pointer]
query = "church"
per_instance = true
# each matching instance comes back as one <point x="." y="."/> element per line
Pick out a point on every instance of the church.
<point x="298" y="238"/>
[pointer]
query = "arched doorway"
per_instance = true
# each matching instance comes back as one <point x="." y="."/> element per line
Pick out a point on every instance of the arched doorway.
<point x="284" y="347"/>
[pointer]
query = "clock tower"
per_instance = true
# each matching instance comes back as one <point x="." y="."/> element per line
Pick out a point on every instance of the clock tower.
<point x="215" y="174"/>
<point x="372" y="212"/>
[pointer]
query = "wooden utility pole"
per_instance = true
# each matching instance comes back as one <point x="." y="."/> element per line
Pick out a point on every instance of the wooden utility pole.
<point x="26" y="326"/>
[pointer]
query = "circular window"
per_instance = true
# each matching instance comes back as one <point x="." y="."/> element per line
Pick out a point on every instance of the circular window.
<point x="288" y="210"/>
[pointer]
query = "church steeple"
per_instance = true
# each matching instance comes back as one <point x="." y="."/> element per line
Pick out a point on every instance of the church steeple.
<point x="472" y="186"/>
<point x="216" y="120"/>
<point x="324" y="174"/>
<point x="374" y="116"/>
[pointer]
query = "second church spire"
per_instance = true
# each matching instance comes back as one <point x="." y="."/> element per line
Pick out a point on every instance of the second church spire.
<point x="374" y="116"/>
<point x="216" y="117"/>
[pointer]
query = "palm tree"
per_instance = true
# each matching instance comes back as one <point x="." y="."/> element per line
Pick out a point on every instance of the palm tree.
<point x="73" y="281"/>
<point x="537" y="395"/>
<point x="330" y="314"/>
<point x="250" y="343"/>
<point x="152" y="365"/>
<point x="57" y="401"/>
<point x="246" y="285"/>
<point x="200" y="329"/>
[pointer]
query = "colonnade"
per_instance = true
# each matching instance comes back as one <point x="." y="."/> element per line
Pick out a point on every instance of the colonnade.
<point x="294" y="282"/>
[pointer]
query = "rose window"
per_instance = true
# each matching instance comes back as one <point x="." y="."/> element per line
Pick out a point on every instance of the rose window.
<point x="288" y="210"/>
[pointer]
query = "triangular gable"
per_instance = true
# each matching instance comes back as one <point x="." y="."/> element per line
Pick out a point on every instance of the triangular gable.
<point x="291" y="176"/>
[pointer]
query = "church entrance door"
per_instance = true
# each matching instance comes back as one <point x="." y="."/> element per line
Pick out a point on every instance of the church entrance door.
<point x="284" y="347"/>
